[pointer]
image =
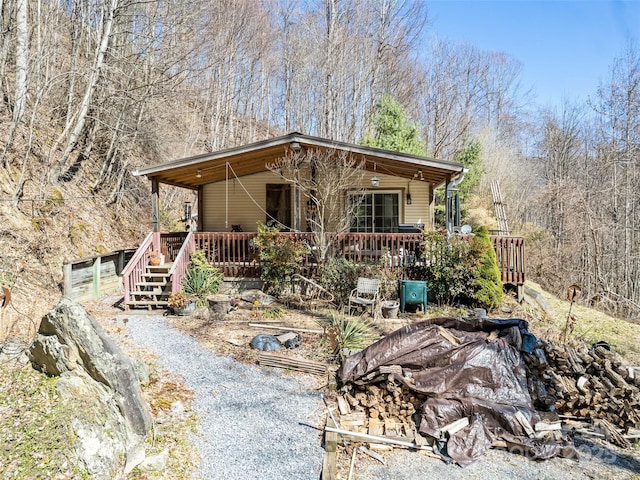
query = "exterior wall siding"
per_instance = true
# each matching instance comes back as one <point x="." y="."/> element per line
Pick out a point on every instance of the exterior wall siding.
<point x="244" y="203"/>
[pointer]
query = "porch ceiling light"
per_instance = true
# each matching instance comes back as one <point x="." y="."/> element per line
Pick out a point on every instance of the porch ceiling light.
<point x="198" y="173"/>
<point x="295" y="146"/>
<point x="375" y="182"/>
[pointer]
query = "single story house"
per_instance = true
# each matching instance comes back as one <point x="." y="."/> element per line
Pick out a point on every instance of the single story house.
<point x="240" y="187"/>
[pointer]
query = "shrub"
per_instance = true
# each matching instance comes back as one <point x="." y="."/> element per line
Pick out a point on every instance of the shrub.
<point x="487" y="284"/>
<point x="201" y="279"/>
<point x="447" y="268"/>
<point x="350" y="333"/>
<point x="279" y="256"/>
<point x="339" y="276"/>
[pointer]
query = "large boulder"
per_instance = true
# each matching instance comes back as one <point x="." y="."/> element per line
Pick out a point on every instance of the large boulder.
<point x="97" y="374"/>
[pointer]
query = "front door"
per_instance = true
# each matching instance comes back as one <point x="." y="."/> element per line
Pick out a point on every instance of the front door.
<point x="279" y="205"/>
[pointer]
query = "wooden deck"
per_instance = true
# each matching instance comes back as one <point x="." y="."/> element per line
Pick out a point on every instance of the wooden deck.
<point x="235" y="254"/>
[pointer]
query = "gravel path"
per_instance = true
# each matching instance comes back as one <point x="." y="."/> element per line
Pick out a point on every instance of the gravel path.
<point x="250" y="419"/>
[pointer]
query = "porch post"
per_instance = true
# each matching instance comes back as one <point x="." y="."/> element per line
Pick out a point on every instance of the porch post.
<point x="296" y="208"/>
<point x="155" y="217"/>
<point x="199" y="227"/>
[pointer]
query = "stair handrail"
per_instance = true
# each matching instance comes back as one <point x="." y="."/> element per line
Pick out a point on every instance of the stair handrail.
<point x="181" y="263"/>
<point x="137" y="265"/>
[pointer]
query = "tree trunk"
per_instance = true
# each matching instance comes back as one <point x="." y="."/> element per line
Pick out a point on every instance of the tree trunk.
<point x="92" y="84"/>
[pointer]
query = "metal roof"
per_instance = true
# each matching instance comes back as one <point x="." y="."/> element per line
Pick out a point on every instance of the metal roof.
<point x="192" y="172"/>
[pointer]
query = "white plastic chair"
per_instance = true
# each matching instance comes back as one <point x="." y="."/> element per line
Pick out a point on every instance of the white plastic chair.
<point x="365" y="294"/>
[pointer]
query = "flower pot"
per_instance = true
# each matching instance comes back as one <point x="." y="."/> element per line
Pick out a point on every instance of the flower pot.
<point x="390" y="309"/>
<point x="186" y="310"/>
<point x="154" y="261"/>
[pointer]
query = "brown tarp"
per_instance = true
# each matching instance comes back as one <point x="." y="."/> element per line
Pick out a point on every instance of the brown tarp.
<point x="482" y="379"/>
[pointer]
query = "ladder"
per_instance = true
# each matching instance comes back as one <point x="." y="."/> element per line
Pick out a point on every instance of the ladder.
<point x="498" y="207"/>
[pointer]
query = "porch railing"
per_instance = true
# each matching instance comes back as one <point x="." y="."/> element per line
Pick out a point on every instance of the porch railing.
<point x="234" y="253"/>
<point x="137" y="266"/>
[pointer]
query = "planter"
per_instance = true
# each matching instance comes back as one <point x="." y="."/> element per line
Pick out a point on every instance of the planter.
<point x="219" y="305"/>
<point x="390" y="309"/>
<point x="187" y="310"/>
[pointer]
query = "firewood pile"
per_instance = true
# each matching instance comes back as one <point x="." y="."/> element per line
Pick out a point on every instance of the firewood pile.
<point x="586" y="382"/>
<point x="385" y="408"/>
<point x="579" y="382"/>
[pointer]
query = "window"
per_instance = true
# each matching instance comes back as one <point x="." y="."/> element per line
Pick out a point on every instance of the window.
<point x="375" y="212"/>
<point x="278" y="205"/>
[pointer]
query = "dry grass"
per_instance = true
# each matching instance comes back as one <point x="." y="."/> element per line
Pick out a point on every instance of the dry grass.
<point x="590" y="326"/>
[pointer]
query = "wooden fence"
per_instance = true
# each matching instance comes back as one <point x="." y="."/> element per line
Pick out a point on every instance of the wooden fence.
<point x="89" y="278"/>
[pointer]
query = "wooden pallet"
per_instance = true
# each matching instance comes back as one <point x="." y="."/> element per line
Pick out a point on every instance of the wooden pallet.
<point x="269" y="359"/>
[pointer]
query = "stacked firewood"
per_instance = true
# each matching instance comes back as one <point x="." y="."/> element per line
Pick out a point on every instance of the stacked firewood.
<point x="385" y="408"/>
<point x="586" y="382"/>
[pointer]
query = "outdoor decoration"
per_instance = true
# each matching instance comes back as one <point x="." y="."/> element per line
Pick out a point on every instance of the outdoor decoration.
<point x="265" y="343"/>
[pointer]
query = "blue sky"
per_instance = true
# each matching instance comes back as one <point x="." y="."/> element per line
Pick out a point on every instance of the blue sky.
<point x="566" y="47"/>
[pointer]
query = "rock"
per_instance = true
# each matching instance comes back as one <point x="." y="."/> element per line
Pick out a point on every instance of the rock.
<point x="141" y="369"/>
<point x="13" y="350"/>
<point x="155" y="463"/>
<point x="259" y="296"/>
<point x="100" y="379"/>
<point x="265" y="342"/>
<point x="135" y="456"/>
<point x="102" y="437"/>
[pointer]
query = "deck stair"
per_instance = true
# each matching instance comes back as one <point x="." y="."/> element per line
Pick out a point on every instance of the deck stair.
<point x="154" y="289"/>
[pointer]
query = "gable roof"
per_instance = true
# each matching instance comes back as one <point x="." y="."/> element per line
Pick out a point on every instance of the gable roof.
<point x="192" y="172"/>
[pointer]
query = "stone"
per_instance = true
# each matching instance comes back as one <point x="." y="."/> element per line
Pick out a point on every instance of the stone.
<point x="155" y="463"/>
<point x="141" y="369"/>
<point x="69" y="338"/>
<point x="100" y="380"/>
<point x="13" y="350"/>
<point x="259" y="296"/>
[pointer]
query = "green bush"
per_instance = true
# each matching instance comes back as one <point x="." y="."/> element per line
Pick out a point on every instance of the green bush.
<point x="448" y="268"/>
<point x="201" y="279"/>
<point x="486" y="283"/>
<point x="280" y="257"/>
<point x="461" y="271"/>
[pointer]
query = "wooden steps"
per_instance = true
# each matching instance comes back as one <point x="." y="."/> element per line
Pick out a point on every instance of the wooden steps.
<point x="154" y="289"/>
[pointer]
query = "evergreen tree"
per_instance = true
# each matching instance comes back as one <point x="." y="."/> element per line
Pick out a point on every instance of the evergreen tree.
<point x="392" y="130"/>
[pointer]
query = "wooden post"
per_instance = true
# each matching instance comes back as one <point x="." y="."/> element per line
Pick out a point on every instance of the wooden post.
<point x="296" y="207"/>
<point x="67" y="279"/>
<point x="330" y="448"/>
<point x="200" y="209"/>
<point x="96" y="277"/>
<point x="155" y="209"/>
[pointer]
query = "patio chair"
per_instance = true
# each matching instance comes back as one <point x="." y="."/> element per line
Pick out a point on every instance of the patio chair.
<point x="365" y="294"/>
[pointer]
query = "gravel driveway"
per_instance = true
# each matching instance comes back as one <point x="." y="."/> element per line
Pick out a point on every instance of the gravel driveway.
<point x="251" y="420"/>
<point x="252" y="425"/>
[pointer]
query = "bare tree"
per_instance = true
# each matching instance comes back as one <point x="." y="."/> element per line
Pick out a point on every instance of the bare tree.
<point x="328" y="179"/>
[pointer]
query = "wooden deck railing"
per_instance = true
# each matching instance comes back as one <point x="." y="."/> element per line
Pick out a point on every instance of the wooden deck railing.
<point x="234" y="253"/>
<point x="510" y="258"/>
<point x="137" y="266"/>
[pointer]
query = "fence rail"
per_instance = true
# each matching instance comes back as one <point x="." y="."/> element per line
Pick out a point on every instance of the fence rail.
<point x="90" y="277"/>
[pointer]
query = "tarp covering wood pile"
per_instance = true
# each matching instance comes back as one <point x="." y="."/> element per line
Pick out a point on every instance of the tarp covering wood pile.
<point x="465" y="370"/>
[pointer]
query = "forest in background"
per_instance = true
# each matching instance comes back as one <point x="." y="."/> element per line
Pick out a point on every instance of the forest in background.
<point x="93" y="89"/>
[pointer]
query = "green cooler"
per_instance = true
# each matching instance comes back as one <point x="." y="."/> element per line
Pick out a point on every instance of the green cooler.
<point x="413" y="291"/>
